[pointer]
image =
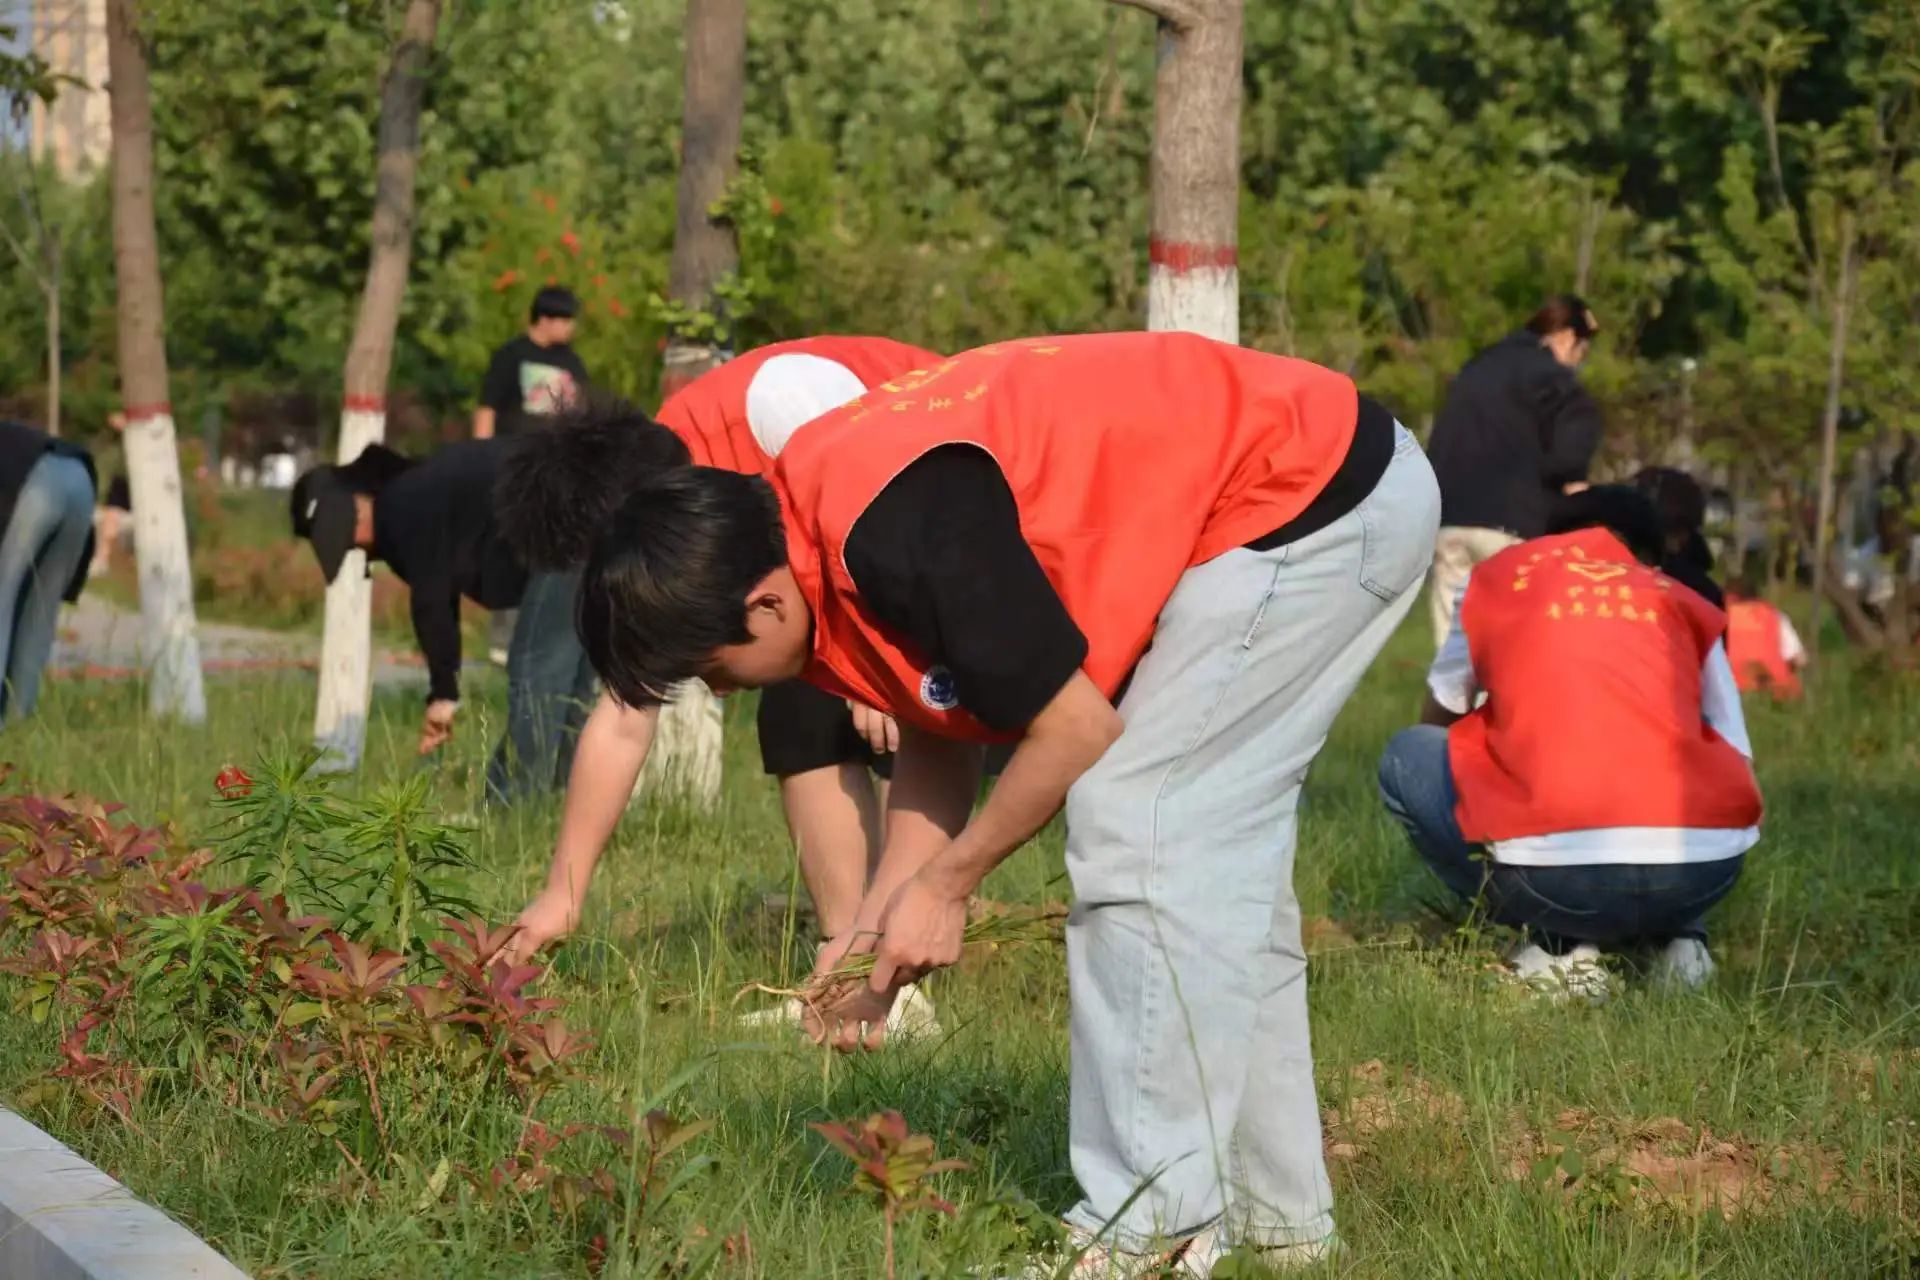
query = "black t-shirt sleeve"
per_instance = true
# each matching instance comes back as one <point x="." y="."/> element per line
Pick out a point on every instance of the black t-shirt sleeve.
<point x="939" y="557"/>
<point x="413" y="533"/>
<point x="500" y="391"/>
<point x="435" y="605"/>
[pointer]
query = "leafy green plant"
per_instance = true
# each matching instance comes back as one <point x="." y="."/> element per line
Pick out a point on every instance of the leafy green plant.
<point x="892" y="1166"/>
<point x="380" y="864"/>
<point x="394" y="851"/>
<point x="278" y="827"/>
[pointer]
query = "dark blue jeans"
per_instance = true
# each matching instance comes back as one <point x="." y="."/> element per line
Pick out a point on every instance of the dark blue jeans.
<point x="549" y="693"/>
<point x="1608" y="904"/>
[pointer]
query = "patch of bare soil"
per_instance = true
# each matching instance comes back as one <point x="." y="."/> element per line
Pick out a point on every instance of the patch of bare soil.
<point x="1663" y="1163"/>
<point x="1379" y="1101"/>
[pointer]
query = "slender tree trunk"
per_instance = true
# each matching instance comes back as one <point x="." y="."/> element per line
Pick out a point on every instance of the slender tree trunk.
<point x="346" y="657"/>
<point x="153" y="460"/>
<point x="704" y="251"/>
<point x="52" y="245"/>
<point x="1592" y="211"/>
<point x="1193" y="253"/>
<point x="1830" y="432"/>
<point x="687" y="747"/>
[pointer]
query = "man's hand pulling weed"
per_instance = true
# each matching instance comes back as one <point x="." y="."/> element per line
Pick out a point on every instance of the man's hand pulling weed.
<point x="436" y="728"/>
<point x="922" y="928"/>
<point x="554" y="914"/>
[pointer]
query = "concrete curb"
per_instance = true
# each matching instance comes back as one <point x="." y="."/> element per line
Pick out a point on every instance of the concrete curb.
<point x="63" y="1219"/>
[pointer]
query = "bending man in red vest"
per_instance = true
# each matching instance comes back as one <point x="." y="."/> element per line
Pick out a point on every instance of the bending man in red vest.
<point x="559" y="489"/>
<point x="990" y="550"/>
<point x="1607" y="774"/>
<point x="1762" y="644"/>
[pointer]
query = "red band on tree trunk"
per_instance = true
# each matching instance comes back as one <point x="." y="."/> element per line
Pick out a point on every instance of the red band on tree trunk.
<point x="365" y="404"/>
<point x="1189" y="255"/>
<point x="141" y="412"/>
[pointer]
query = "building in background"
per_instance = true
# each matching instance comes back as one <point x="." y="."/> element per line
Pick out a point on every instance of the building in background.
<point x="75" y="132"/>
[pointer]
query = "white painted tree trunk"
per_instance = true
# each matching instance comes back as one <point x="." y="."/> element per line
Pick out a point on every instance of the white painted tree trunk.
<point x="685" y="759"/>
<point x="346" y="646"/>
<point x="1193" y="256"/>
<point x="1196" y="299"/>
<point x="171" y="649"/>
<point x="172" y="644"/>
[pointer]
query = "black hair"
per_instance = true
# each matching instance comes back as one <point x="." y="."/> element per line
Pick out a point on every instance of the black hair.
<point x="1677" y="496"/>
<point x="666" y="582"/>
<point x="560" y="484"/>
<point x="554" y="300"/>
<point x="1681" y="504"/>
<point x="1564" y="311"/>
<point x="1621" y="510"/>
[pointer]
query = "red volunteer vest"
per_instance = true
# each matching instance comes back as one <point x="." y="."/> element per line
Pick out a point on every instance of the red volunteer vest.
<point x="1591" y="663"/>
<point x="1753" y="647"/>
<point x="710" y="413"/>
<point x="1131" y="457"/>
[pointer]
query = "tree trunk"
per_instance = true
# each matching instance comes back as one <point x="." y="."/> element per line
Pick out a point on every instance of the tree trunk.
<point x="1193" y="252"/>
<point x="346" y="647"/>
<point x="51" y="244"/>
<point x="1830" y="433"/>
<point x="704" y="251"/>
<point x="1592" y="212"/>
<point x="153" y="461"/>
<point x="687" y="745"/>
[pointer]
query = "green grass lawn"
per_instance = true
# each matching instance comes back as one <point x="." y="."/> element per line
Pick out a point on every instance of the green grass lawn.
<point x="1764" y="1128"/>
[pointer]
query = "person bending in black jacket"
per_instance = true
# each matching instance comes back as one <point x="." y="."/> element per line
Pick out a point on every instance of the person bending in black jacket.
<point x="432" y="522"/>
<point x="1515" y="431"/>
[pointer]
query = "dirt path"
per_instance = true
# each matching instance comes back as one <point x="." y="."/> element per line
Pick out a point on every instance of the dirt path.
<point x="100" y="640"/>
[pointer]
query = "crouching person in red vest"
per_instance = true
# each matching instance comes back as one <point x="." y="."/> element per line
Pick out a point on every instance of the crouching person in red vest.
<point x="1607" y="776"/>
<point x="1761" y="643"/>
<point x="989" y="551"/>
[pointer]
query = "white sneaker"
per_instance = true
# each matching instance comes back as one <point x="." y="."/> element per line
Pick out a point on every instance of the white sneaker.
<point x="1685" y="964"/>
<point x="1577" y="975"/>
<point x="1530" y="961"/>
<point x="912" y="1015"/>
<point x="497" y="656"/>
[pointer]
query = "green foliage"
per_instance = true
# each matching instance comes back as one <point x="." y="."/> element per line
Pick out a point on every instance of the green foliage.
<point x="381" y="863"/>
<point x="1416" y="176"/>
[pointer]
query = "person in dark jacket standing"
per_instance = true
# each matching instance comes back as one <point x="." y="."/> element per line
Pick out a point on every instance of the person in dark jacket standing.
<point x="1516" y="430"/>
<point x="432" y="522"/>
<point x="46" y="512"/>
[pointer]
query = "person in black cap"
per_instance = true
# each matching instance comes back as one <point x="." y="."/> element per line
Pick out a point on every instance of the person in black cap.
<point x="432" y="522"/>
<point x="537" y="373"/>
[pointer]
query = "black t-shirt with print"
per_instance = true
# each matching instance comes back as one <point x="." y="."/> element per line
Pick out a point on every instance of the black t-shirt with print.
<point x="528" y="381"/>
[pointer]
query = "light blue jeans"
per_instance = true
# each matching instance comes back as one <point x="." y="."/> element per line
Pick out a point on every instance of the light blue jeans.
<point x="39" y="558"/>
<point x="1191" y="1060"/>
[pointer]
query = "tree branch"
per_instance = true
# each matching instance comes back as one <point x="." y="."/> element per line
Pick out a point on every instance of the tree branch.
<point x="1180" y="14"/>
<point x="27" y="261"/>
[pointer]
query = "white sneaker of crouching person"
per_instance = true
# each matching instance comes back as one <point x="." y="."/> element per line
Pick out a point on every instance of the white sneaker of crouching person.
<point x="1084" y="1257"/>
<point x="912" y="1015"/>
<point x="1576" y="975"/>
<point x="1684" y="964"/>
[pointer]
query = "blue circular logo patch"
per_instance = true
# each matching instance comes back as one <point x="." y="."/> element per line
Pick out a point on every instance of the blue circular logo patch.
<point x="936" y="689"/>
